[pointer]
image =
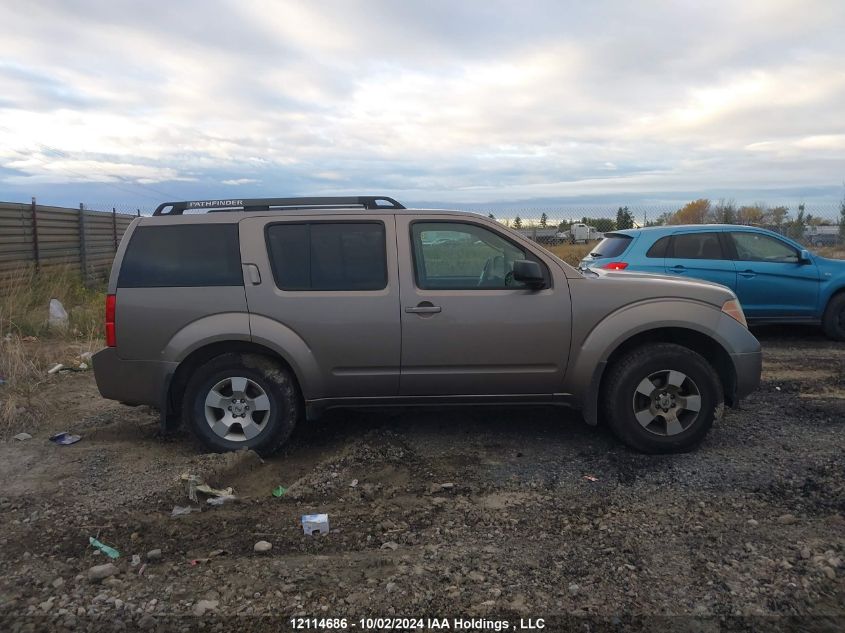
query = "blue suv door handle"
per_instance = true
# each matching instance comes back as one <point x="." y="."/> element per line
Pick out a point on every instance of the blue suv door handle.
<point x="748" y="274"/>
<point x="678" y="269"/>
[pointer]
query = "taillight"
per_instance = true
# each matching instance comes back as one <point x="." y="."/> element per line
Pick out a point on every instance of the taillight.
<point x="111" y="304"/>
<point x="616" y="266"/>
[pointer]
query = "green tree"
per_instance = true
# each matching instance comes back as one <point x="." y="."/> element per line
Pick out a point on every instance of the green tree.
<point x="491" y="216"/>
<point x="778" y="216"/>
<point x="624" y="219"/>
<point x="544" y="220"/>
<point x="517" y="222"/>
<point x="796" y="228"/>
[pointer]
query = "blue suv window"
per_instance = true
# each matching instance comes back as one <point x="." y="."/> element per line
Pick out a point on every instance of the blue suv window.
<point x="611" y="246"/>
<point x="659" y="248"/>
<point x="756" y="247"/>
<point x="696" y="246"/>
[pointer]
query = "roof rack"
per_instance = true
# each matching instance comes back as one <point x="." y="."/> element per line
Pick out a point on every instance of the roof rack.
<point x="265" y="204"/>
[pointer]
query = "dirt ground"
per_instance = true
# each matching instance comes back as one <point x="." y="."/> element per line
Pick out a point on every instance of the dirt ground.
<point x="479" y="513"/>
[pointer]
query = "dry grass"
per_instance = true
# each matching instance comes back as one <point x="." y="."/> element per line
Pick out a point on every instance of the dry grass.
<point x="571" y="253"/>
<point x="29" y="346"/>
<point x="833" y="252"/>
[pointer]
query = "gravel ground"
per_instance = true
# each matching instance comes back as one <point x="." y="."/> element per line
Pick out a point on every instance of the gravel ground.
<point x="486" y="513"/>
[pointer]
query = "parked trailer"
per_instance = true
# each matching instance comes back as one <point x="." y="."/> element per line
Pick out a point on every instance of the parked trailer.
<point x="580" y="232"/>
<point x="548" y="235"/>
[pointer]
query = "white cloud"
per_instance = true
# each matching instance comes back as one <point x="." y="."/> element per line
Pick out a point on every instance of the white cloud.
<point x="436" y="100"/>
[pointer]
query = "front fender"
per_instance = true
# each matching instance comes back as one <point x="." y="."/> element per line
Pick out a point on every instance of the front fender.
<point x="589" y="358"/>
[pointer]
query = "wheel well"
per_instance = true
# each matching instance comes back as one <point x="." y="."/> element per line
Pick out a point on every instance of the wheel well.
<point x="199" y="357"/>
<point x="708" y="347"/>
<point x="835" y="294"/>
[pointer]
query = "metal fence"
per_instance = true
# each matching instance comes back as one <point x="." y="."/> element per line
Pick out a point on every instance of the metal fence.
<point x="41" y="238"/>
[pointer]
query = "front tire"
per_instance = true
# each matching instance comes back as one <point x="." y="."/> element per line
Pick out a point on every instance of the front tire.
<point x="237" y="401"/>
<point x="833" y="322"/>
<point x="662" y="398"/>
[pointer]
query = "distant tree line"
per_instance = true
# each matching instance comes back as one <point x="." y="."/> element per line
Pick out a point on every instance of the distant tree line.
<point x="704" y="211"/>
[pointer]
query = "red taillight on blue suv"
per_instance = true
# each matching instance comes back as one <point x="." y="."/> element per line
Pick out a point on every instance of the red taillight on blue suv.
<point x="615" y="266"/>
<point x="111" y="305"/>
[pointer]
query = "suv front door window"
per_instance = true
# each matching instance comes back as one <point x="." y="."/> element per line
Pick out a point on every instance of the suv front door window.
<point x="463" y="256"/>
<point x="469" y="328"/>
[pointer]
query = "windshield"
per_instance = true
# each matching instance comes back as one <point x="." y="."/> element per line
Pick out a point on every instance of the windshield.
<point x="611" y="246"/>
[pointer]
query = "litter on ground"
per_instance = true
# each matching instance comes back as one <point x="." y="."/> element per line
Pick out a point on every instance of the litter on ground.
<point x="64" y="438"/>
<point x="105" y="549"/>
<point x="315" y="523"/>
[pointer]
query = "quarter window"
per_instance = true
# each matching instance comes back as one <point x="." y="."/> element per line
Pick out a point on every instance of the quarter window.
<point x="696" y="246"/>
<point x="658" y="249"/>
<point x="181" y="256"/>
<point x="328" y="255"/>
<point x="453" y="255"/>
<point x="756" y="247"/>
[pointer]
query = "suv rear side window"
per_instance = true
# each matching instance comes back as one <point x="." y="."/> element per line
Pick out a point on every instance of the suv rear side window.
<point x="658" y="249"/>
<point x="696" y="246"/>
<point x="182" y="255"/>
<point x="611" y="246"/>
<point x="328" y="255"/>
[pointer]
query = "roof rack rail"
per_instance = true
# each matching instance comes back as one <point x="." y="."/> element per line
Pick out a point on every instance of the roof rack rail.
<point x="264" y="204"/>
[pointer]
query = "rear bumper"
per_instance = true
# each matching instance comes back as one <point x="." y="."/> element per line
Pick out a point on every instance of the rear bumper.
<point x="131" y="381"/>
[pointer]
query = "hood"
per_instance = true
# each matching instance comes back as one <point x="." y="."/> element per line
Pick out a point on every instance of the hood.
<point x="636" y="285"/>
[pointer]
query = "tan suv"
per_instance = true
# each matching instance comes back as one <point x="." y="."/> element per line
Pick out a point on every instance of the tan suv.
<point x="252" y="315"/>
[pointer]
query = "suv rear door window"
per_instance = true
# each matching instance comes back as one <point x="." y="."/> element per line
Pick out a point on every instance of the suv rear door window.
<point x="696" y="246"/>
<point x="328" y="255"/>
<point x="183" y="255"/>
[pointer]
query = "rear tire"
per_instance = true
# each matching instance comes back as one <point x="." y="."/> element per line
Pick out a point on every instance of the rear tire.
<point x="237" y="401"/>
<point x="833" y="322"/>
<point x="662" y="398"/>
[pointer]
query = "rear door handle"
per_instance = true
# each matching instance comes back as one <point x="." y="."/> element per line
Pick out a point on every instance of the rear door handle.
<point x="422" y="309"/>
<point x="748" y="274"/>
<point x="678" y="269"/>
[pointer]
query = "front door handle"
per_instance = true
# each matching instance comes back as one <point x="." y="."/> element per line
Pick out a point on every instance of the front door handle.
<point x="254" y="274"/>
<point x="748" y="274"/>
<point x="678" y="269"/>
<point x="423" y="308"/>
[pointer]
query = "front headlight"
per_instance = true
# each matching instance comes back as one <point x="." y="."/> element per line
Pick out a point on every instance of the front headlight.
<point x="734" y="310"/>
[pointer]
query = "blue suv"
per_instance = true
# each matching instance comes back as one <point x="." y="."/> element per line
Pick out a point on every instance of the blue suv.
<point x="776" y="279"/>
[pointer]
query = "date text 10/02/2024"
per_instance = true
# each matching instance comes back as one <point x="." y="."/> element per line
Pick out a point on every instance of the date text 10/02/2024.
<point x="412" y="624"/>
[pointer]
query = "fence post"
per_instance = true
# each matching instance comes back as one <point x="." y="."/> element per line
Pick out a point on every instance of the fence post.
<point x="83" y="251"/>
<point x="35" y="251"/>
<point x="114" y="227"/>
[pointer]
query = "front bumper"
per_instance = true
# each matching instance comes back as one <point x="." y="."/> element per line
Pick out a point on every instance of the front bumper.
<point x="131" y="381"/>
<point x="748" y="367"/>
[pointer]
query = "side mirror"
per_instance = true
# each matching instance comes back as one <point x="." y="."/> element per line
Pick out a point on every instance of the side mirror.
<point x="804" y="257"/>
<point x="529" y="273"/>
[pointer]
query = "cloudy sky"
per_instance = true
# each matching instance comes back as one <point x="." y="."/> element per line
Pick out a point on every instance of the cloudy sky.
<point x="475" y="101"/>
